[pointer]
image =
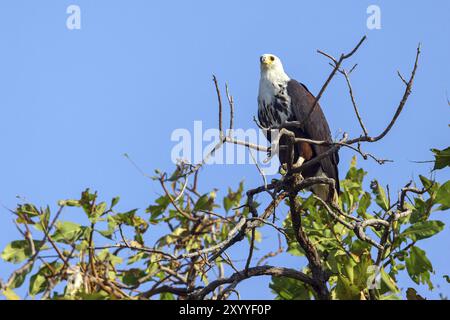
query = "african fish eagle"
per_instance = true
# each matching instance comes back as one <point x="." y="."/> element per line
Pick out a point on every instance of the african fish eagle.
<point x="282" y="99"/>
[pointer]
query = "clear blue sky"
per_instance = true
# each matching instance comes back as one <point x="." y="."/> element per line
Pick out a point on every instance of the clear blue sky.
<point x="72" y="102"/>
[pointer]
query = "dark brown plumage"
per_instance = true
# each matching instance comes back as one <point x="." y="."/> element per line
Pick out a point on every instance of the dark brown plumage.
<point x="315" y="128"/>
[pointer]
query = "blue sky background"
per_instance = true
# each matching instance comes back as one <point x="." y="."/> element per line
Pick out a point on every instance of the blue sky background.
<point x="72" y="102"/>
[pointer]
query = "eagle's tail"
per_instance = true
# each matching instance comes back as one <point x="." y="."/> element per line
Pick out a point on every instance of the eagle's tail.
<point x="322" y="191"/>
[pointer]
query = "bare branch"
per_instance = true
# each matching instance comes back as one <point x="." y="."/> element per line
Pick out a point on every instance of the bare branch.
<point x="251" y="272"/>
<point x="337" y="65"/>
<point x="355" y="107"/>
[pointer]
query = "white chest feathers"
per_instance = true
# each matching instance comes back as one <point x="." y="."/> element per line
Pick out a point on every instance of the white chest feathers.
<point x="274" y="103"/>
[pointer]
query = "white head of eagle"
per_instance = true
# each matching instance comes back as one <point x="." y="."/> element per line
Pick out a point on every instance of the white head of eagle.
<point x="282" y="99"/>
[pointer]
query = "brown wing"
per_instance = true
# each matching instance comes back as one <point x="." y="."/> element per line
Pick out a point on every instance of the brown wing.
<point x="316" y="127"/>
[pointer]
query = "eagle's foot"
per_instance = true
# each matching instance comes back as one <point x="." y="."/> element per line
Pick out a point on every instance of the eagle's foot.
<point x="299" y="163"/>
<point x="282" y="169"/>
<point x="296" y="165"/>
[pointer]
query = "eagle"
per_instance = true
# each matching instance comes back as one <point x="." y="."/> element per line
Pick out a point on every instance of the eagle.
<point x="282" y="99"/>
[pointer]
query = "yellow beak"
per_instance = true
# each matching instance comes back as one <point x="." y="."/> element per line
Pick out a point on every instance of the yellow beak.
<point x="265" y="60"/>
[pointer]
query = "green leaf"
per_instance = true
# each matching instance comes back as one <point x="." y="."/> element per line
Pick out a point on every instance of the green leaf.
<point x="38" y="284"/>
<point x="389" y="282"/>
<point x="346" y="290"/>
<point x="127" y="218"/>
<point x="67" y="232"/>
<point x="423" y="229"/>
<point x="112" y="226"/>
<point x="131" y="219"/>
<point x="114" y="201"/>
<point x="137" y="257"/>
<point x="20" y="278"/>
<point x="28" y="210"/>
<point x="427" y="183"/>
<point x="364" y="203"/>
<point x="39" y="281"/>
<point x="421" y="210"/>
<point x="392" y="296"/>
<point x="107" y="256"/>
<point x="100" y="295"/>
<point x="354" y="174"/>
<point x="100" y="209"/>
<point x="177" y="174"/>
<point x="202" y="203"/>
<point x="442" y="158"/>
<point x="289" y="289"/>
<point x="158" y="209"/>
<point x="166" y="296"/>
<point x="87" y="202"/>
<point x="19" y="250"/>
<point x="380" y="194"/>
<point x="443" y="195"/>
<point x="418" y="266"/>
<point x="10" y="294"/>
<point x="233" y="199"/>
<point x="131" y="277"/>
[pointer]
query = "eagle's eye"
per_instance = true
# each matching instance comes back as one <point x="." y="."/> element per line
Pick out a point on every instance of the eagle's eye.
<point x="272" y="58"/>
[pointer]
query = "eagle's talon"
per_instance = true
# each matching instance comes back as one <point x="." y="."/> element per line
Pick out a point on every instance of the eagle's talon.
<point x="299" y="163"/>
<point x="282" y="169"/>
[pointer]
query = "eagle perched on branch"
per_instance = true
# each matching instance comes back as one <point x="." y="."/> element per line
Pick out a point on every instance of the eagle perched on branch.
<point x="282" y="99"/>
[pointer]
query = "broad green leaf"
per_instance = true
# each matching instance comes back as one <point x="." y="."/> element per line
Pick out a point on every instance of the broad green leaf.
<point x="205" y="202"/>
<point x="289" y="289"/>
<point x="131" y="277"/>
<point x="380" y="195"/>
<point x="158" y="209"/>
<point x="20" y="278"/>
<point x="137" y="257"/>
<point x="67" y="232"/>
<point x="39" y="281"/>
<point x="359" y="247"/>
<point x="389" y="282"/>
<point x="131" y="219"/>
<point x="112" y="226"/>
<point x="442" y="158"/>
<point x="427" y="183"/>
<point x="354" y="174"/>
<point x="346" y="290"/>
<point x="418" y="266"/>
<point x="443" y="195"/>
<point x="421" y="210"/>
<point x="423" y="229"/>
<point x="364" y="203"/>
<point x="38" y="284"/>
<point x="19" y="250"/>
<point x="105" y="255"/>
